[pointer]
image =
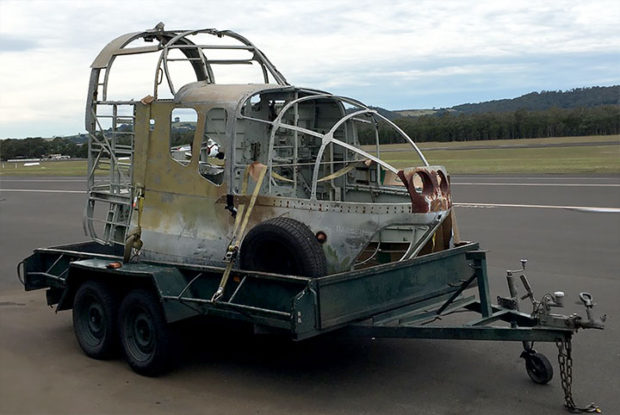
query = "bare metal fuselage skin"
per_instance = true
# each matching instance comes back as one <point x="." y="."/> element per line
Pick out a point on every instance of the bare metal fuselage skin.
<point x="317" y="172"/>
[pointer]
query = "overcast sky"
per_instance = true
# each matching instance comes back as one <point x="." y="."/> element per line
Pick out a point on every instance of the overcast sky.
<point x="393" y="54"/>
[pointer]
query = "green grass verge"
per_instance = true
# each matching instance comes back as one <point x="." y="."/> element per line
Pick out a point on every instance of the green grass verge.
<point x="587" y="159"/>
<point x="45" y="168"/>
<point x="518" y="158"/>
<point x="524" y="142"/>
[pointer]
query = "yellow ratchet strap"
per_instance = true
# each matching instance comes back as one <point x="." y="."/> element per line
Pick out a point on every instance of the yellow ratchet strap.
<point x="332" y="176"/>
<point x="238" y="231"/>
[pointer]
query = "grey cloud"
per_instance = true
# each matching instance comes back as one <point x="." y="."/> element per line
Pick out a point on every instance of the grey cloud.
<point x="396" y="54"/>
<point x="9" y="43"/>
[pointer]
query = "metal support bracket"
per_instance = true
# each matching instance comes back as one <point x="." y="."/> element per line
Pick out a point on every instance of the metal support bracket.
<point x="479" y="266"/>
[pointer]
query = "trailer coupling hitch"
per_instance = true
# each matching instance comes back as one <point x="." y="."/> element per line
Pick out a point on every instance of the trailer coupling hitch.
<point x="591" y="323"/>
<point x="541" y="310"/>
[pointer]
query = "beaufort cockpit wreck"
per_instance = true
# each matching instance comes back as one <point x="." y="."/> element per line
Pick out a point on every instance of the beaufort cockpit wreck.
<point x="193" y="154"/>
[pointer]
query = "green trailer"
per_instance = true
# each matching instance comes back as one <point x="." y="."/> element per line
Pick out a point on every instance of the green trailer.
<point x="138" y="303"/>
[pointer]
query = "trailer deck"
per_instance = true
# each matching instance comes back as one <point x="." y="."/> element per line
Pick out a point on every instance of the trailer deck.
<point x="304" y="307"/>
<point x="406" y="299"/>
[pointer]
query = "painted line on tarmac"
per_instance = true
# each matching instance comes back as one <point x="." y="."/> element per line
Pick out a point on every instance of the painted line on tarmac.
<point x="537" y="184"/>
<point x="465" y="205"/>
<point x="43" y="191"/>
<point x="509" y="205"/>
<point x="43" y="180"/>
<point x="517" y="177"/>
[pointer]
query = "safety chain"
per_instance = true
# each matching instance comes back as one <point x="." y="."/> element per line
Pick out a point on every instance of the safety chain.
<point x="565" y="361"/>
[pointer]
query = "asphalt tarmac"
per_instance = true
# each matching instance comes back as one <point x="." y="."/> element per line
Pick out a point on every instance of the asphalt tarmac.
<point x="42" y="369"/>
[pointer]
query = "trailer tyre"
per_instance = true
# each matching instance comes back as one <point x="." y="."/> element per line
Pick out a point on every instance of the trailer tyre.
<point x="538" y="367"/>
<point x="94" y="319"/>
<point x="145" y="335"/>
<point x="283" y="246"/>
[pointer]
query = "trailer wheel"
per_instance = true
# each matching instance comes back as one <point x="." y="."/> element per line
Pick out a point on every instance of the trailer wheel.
<point x="94" y="320"/>
<point x="145" y="334"/>
<point x="538" y="367"/>
<point x="283" y="246"/>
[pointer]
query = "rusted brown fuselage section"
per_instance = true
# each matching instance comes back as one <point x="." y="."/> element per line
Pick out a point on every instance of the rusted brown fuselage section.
<point x="429" y="189"/>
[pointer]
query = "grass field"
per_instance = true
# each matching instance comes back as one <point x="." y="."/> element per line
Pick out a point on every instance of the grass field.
<point x="46" y="168"/>
<point x="587" y="159"/>
<point x="611" y="139"/>
<point x="583" y="155"/>
<point x="598" y="155"/>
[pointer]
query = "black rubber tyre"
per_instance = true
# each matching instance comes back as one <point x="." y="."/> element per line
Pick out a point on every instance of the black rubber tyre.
<point x="283" y="246"/>
<point x="145" y="335"/>
<point x="538" y="367"/>
<point x="94" y="320"/>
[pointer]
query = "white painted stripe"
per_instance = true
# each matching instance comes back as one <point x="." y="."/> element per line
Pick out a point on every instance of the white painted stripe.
<point x="463" y="204"/>
<point x="537" y="184"/>
<point x="509" y="205"/>
<point x="598" y="210"/>
<point x="517" y="177"/>
<point x="44" y="181"/>
<point x="43" y="191"/>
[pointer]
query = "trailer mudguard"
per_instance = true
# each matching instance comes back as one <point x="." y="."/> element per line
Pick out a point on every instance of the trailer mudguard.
<point x="166" y="281"/>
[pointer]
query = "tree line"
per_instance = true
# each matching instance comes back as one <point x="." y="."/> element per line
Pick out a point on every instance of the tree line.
<point x="37" y="147"/>
<point x="553" y="122"/>
<point x="444" y="126"/>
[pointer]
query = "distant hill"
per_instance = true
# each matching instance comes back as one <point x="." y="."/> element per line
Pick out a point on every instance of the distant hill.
<point x="589" y="98"/>
<point x="534" y="101"/>
<point x="415" y="113"/>
<point x="390" y="115"/>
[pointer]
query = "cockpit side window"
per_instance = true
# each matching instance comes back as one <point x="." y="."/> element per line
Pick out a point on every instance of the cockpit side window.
<point x="212" y="152"/>
<point x="182" y="130"/>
